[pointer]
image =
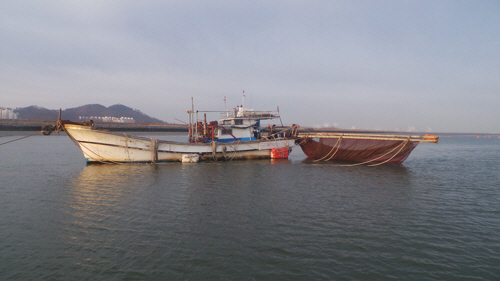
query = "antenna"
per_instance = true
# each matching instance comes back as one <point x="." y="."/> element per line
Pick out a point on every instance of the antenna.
<point x="225" y="108"/>
<point x="243" y="99"/>
<point x="278" y="109"/>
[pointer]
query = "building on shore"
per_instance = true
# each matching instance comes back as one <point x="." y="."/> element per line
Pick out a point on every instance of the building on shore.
<point x="108" y="119"/>
<point x="7" y="113"/>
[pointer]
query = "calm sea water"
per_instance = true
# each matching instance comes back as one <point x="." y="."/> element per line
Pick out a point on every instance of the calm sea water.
<point x="436" y="217"/>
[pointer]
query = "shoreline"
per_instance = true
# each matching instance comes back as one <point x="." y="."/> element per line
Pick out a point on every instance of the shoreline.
<point x="36" y="125"/>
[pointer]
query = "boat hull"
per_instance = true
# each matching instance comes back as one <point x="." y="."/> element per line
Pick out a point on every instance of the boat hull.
<point x="100" y="146"/>
<point x="368" y="151"/>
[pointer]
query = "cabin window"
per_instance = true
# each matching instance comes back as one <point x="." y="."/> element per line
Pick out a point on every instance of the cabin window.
<point x="226" y="131"/>
<point x="238" y="121"/>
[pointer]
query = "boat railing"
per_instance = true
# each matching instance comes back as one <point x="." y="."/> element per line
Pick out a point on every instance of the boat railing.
<point x="248" y="114"/>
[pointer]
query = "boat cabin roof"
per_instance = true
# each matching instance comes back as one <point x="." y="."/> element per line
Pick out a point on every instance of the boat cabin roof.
<point x="247" y="113"/>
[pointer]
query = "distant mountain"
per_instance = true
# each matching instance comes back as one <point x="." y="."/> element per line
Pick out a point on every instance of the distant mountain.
<point x="36" y="113"/>
<point x="118" y="110"/>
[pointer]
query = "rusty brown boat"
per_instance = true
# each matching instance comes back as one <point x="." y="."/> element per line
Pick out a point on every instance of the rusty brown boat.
<point x="366" y="148"/>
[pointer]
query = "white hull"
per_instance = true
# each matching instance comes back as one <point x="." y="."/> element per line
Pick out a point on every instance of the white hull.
<point x="102" y="146"/>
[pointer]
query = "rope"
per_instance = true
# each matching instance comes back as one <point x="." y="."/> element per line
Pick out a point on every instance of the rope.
<point x="106" y="161"/>
<point x="337" y="143"/>
<point x="275" y="135"/>
<point x="369" y="161"/>
<point x="340" y="142"/>
<point x="268" y="138"/>
<point x="233" y="146"/>
<point x="126" y="147"/>
<point x="20" y="138"/>
<point x="303" y="140"/>
<point x="404" y="144"/>
<point x="96" y="154"/>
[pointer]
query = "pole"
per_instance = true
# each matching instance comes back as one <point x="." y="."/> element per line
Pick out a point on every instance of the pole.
<point x="205" y="125"/>
<point x="196" y="124"/>
<point x="280" y="115"/>
<point x="191" y="119"/>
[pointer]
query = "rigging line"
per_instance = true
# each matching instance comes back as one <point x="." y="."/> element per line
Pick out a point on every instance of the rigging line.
<point x="20" y="138"/>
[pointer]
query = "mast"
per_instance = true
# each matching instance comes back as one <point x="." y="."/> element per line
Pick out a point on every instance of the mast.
<point x="225" y="107"/>
<point x="278" y="109"/>
<point x="191" y="129"/>
<point x="196" y="124"/>
<point x="205" y="125"/>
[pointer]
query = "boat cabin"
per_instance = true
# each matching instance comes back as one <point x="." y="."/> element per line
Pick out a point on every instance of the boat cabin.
<point x="240" y="124"/>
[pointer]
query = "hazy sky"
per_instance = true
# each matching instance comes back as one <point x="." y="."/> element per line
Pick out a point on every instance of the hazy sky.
<point x="407" y="65"/>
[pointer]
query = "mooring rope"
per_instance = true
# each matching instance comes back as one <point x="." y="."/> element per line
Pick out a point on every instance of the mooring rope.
<point x="335" y="146"/>
<point x="404" y="144"/>
<point x="126" y="147"/>
<point x="400" y="146"/>
<point x="233" y="146"/>
<point x="224" y="149"/>
<point x="20" y="138"/>
<point x="340" y="142"/>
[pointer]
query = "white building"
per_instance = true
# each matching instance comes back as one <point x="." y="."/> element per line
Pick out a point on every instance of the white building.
<point x="108" y="119"/>
<point x="7" y="113"/>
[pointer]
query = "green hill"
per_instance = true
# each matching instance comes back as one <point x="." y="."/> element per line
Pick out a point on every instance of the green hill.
<point x="87" y="111"/>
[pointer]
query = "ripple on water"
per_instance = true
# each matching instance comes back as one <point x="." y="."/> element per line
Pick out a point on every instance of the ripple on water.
<point x="437" y="217"/>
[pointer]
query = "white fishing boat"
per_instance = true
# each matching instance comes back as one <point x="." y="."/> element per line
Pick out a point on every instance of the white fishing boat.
<point x="238" y="135"/>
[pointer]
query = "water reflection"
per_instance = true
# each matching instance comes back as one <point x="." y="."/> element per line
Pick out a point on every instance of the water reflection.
<point x="436" y="216"/>
<point x="214" y="206"/>
<point x="114" y="175"/>
<point x="100" y="191"/>
<point x="110" y="209"/>
<point x="98" y="186"/>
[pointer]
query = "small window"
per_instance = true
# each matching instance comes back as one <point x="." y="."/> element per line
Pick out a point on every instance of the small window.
<point x="226" y="131"/>
<point x="238" y="121"/>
